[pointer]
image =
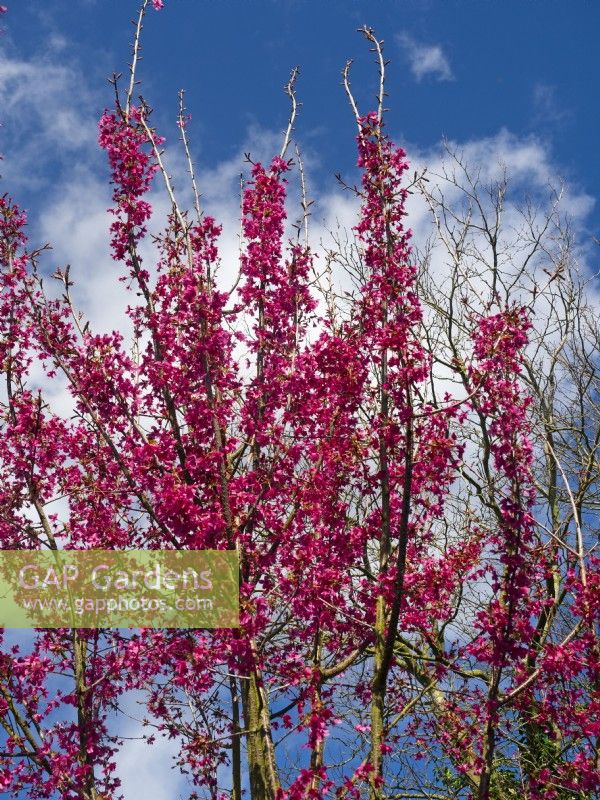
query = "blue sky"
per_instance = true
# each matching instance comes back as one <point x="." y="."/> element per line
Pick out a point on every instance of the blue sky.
<point x="461" y="69"/>
<point x="514" y="80"/>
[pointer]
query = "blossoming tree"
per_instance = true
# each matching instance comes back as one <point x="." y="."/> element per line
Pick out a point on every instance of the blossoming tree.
<point x="419" y="591"/>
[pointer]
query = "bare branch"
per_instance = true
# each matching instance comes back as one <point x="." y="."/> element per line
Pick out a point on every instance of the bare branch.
<point x="290" y="90"/>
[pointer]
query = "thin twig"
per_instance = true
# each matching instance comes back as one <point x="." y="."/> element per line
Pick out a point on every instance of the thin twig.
<point x="305" y="203"/>
<point x="378" y="48"/>
<point x="188" y="155"/>
<point x="351" y="100"/>
<point x="167" y="179"/>
<point x="579" y="533"/>
<point x="135" y="57"/>
<point x="290" y="90"/>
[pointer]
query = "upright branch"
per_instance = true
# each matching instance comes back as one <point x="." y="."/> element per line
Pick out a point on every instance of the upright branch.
<point x="348" y="90"/>
<point x="381" y="63"/>
<point x="135" y="56"/>
<point x="182" y="121"/>
<point x="290" y="90"/>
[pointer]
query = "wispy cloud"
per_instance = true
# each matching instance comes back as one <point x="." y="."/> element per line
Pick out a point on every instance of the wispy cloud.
<point x="547" y="108"/>
<point x="425" y="60"/>
<point x="46" y="120"/>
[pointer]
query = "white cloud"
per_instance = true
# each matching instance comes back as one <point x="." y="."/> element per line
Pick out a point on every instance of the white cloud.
<point x="425" y="60"/>
<point x="527" y="165"/>
<point x="47" y="118"/>
<point x="147" y="770"/>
